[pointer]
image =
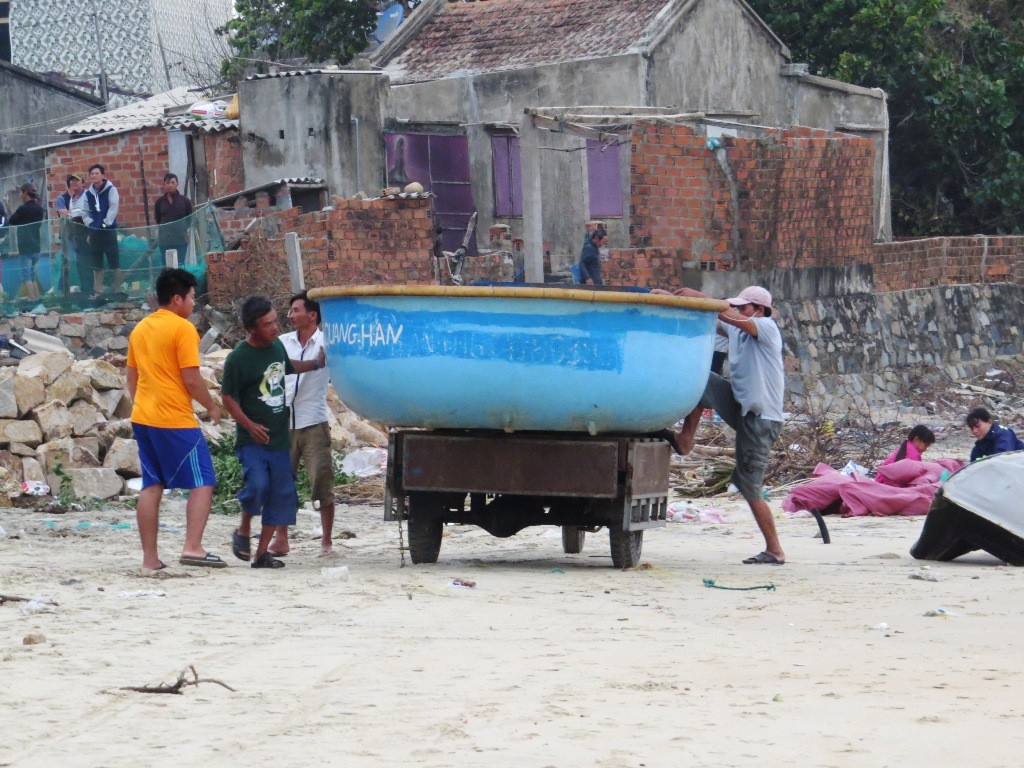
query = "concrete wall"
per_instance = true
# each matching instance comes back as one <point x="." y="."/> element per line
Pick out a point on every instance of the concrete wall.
<point x="27" y="99"/>
<point x="304" y="126"/>
<point x="717" y="58"/>
<point x="501" y="97"/>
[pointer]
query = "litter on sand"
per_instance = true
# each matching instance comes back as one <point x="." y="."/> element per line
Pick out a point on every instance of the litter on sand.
<point x="710" y="583"/>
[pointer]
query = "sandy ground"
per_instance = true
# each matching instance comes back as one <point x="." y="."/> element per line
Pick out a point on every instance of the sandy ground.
<point x="550" y="660"/>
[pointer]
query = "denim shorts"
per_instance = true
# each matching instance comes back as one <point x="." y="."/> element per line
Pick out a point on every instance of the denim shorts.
<point x="269" y="489"/>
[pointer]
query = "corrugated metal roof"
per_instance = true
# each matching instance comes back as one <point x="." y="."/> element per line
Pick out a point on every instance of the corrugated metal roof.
<point x="302" y="72"/>
<point x="190" y="123"/>
<point x="139" y="114"/>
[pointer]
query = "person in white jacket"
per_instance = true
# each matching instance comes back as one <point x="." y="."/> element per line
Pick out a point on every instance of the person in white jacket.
<point x="101" y="205"/>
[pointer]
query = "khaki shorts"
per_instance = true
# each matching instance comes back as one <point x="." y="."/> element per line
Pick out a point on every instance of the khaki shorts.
<point x="312" y="446"/>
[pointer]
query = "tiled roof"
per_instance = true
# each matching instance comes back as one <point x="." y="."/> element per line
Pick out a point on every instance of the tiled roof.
<point x="489" y="35"/>
<point x="139" y="114"/>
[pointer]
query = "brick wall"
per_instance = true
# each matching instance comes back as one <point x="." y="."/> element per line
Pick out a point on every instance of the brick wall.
<point x="804" y="197"/>
<point x="947" y="261"/>
<point x="381" y="242"/>
<point x="119" y="155"/>
<point x="224" y="163"/>
<point x="127" y="157"/>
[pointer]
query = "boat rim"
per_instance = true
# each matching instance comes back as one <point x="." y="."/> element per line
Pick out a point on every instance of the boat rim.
<point x="528" y="292"/>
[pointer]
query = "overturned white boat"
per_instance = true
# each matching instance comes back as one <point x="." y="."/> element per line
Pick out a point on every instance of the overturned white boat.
<point x="979" y="507"/>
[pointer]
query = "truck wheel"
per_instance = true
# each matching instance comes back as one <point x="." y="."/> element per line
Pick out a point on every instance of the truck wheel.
<point x="626" y="547"/>
<point x="425" y="526"/>
<point x="572" y="539"/>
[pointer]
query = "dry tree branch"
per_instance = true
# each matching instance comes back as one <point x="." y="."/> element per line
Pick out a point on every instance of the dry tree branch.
<point x="177" y="685"/>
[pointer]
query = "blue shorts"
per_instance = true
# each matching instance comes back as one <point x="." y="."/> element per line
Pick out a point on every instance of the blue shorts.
<point x="269" y="488"/>
<point x="174" y="458"/>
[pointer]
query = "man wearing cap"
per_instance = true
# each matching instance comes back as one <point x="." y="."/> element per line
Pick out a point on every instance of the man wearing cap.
<point x="750" y="402"/>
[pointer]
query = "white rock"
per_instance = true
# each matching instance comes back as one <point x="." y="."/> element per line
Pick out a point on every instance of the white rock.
<point x="123" y="458"/>
<point x="8" y="398"/>
<point x="70" y="387"/>
<point x="32" y="470"/>
<point x="20" y="431"/>
<point x="101" y="374"/>
<point x="45" y="366"/>
<point x="29" y="392"/>
<point x="53" y="420"/>
<point x="84" y="418"/>
<point x="96" y="483"/>
<point x="9" y="487"/>
<point x="107" y="401"/>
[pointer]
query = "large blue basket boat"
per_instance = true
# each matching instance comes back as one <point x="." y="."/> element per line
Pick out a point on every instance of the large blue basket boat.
<point x="526" y="358"/>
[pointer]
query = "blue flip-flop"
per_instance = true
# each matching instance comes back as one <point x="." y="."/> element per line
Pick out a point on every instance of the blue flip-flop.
<point x="210" y="560"/>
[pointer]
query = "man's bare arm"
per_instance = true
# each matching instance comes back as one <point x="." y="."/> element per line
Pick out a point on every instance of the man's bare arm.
<point x="200" y="393"/>
<point x="133" y="381"/>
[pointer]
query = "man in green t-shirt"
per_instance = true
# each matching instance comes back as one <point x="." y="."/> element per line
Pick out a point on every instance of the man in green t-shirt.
<point x="253" y="393"/>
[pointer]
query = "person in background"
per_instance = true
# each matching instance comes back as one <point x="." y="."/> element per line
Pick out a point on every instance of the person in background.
<point x="919" y="440"/>
<point x="29" y="217"/>
<point x="74" y="235"/>
<point x="590" y="258"/>
<point x="253" y="393"/>
<point x="172" y="206"/>
<point x="310" y="432"/>
<point x="990" y="438"/>
<point x="102" y="202"/>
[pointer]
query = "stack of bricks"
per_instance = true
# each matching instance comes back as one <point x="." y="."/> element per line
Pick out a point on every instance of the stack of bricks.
<point x="379" y="242"/>
<point x="936" y="261"/>
<point x="804" y="198"/>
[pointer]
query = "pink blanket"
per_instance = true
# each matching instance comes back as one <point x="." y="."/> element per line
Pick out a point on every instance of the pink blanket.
<point x="903" y="488"/>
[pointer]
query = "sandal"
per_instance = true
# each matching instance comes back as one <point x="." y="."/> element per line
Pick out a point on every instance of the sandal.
<point x="763" y="558"/>
<point x="240" y="546"/>
<point x="266" y="561"/>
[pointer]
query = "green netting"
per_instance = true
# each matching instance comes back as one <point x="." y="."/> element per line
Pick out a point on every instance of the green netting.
<point x="69" y="267"/>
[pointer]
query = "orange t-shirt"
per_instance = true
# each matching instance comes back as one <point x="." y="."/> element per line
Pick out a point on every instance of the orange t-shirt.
<point x="160" y="346"/>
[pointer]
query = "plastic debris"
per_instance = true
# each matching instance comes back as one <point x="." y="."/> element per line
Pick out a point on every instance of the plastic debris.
<point x="365" y="462"/>
<point x="853" y="468"/>
<point x="37" y="605"/>
<point x="335" y="573"/>
<point x="463" y="583"/>
<point x="923" y="575"/>
<point x="941" y="612"/>
<point x="137" y="593"/>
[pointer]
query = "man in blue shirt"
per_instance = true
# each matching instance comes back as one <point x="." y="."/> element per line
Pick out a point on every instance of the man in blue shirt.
<point x="990" y="438"/>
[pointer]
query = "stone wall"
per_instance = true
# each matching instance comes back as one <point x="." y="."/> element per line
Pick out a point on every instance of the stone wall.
<point x="85" y="334"/>
<point x="870" y="347"/>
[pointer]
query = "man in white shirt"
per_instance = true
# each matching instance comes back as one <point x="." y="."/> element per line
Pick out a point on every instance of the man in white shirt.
<point x="750" y="402"/>
<point x="306" y="393"/>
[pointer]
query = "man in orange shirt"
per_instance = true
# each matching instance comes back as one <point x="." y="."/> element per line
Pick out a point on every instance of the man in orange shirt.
<point x="163" y="380"/>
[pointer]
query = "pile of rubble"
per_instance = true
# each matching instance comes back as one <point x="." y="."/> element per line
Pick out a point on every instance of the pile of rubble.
<point x="67" y="420"/>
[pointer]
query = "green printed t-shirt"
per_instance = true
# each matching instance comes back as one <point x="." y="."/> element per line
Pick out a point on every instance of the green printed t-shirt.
<point x="254" y="376"/>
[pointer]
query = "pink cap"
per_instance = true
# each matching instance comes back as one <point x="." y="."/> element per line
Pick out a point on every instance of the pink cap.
<point x="755" y="294"/>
